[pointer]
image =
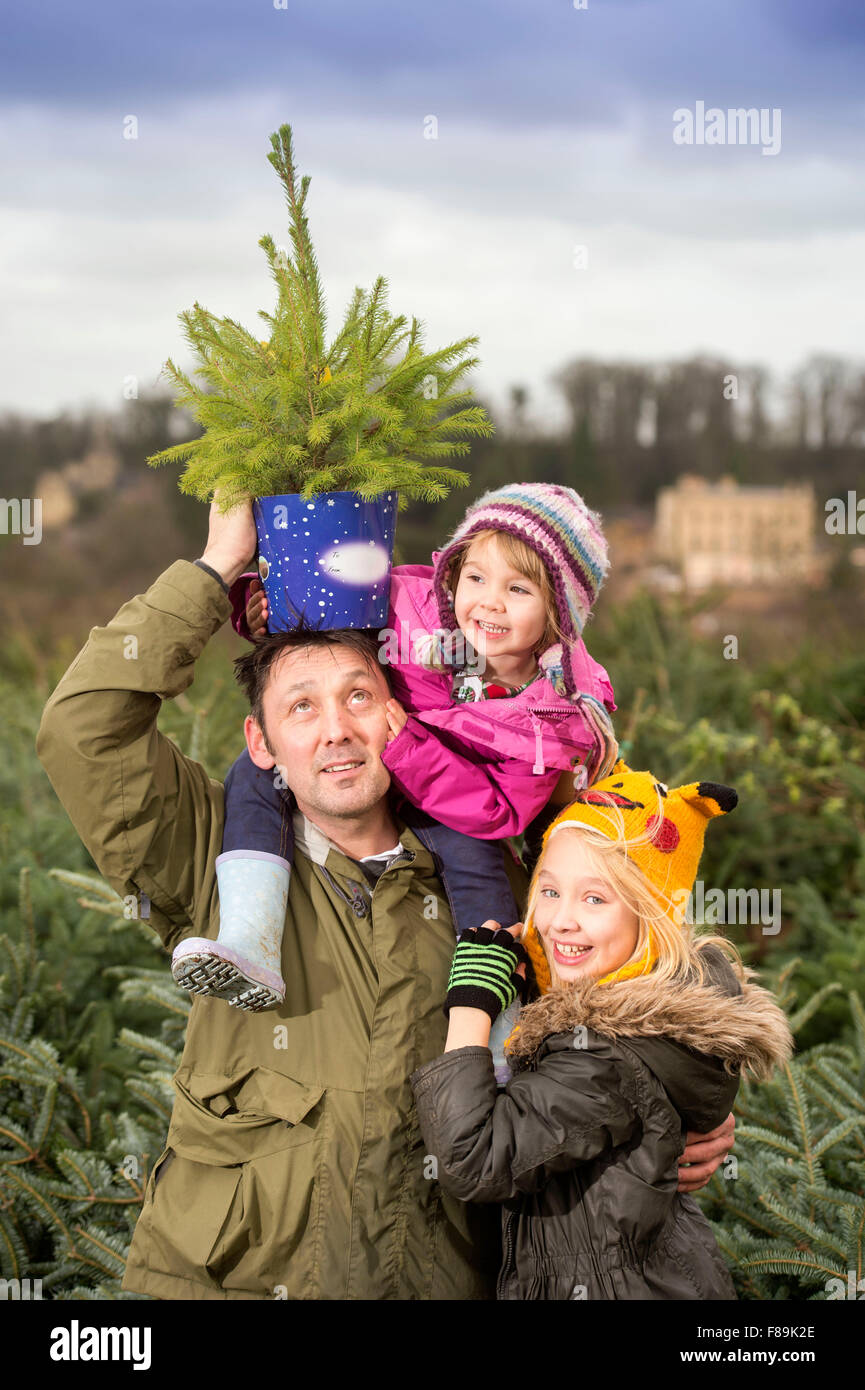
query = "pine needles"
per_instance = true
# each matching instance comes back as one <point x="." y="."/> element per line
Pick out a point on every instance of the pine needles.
<point x="290" y="415"/>
<point x="790" y="1212"/>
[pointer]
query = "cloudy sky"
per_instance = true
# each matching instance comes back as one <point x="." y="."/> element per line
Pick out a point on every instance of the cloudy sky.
<point x="554" y="131"/>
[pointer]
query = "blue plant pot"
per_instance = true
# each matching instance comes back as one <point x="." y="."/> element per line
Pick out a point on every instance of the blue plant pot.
<point x="327" y="560"/>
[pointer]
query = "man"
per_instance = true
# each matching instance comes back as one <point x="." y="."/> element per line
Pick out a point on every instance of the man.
<point x="294" y="1166"/>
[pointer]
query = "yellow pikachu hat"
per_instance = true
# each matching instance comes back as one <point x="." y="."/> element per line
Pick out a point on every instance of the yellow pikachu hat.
<point x="671" y="825"/>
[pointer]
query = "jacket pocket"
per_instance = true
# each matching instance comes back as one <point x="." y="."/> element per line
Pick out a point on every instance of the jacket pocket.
<point x="235" y="1201"/>
<point x="159" y="1167"/>
<point x="270" y="1243"/>
<point x="691" y="1265"/>
<point x="188" y="1207"/>
<point x="225" y="1119"/>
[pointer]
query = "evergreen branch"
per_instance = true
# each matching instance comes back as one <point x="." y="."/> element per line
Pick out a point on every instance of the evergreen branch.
<point x="148" y="1095"/>
<point x="13" y="951"/>
<point x="770" y="1138"/>
<point x="857" y="1010"/>
<point x="836" y="1134"/>
<point x="102" y="1293"/>
<point x="282" y="159"/>
<point x="857" y="1234"/>
<point x="807" y="1231"/>
<point x="774" y="1259"/>
<point x="839" y="1201"/>
<point x="11" y="1249"/>
<point x="105" y="1246"/>
<point x="809" y="1009"/>
<point x="41" y="1053"/>
<point x="95" y="1199"/>
<point x="66" y="1160"/>
<point x="731" y="1254"/>
<point x="88" y="881"/>
<point x="151" y="986"/>
<point x="266" y="243"/>
<point x="825" y="1068"/>
<point x="149" y="1046"/>
<point x="748" y="1216"/>
<point x="45" y="1117"/>
<point x="799" y="1112"/>
<point x="175" y="453"/>
<point x="10" y="1131"/>
<point x="36" y="1198"/>
<point x="106" y="909"/>
<point x="824" y="1096"/>
<point x="25" y="908"/>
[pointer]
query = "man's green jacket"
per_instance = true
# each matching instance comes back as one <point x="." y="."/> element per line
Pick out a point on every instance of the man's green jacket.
<point x="294" y="1166"/>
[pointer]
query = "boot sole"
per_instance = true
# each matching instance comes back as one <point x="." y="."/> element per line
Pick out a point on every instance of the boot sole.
<point x="202" y="972"/>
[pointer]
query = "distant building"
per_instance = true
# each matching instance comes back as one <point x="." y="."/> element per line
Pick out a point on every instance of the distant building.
<point x="721" y="533"/>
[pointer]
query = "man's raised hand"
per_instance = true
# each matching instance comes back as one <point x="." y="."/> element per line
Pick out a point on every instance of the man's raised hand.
<point x="231" y="540"/>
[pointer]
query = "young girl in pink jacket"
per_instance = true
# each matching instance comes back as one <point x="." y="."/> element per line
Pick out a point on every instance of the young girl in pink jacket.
<point x="499" y="715"/>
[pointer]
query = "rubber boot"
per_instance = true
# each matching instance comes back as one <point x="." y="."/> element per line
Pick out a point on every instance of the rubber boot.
<point x="243" y="965"/>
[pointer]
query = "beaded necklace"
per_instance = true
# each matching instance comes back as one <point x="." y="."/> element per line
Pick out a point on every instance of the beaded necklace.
<point x="468" y="688"/>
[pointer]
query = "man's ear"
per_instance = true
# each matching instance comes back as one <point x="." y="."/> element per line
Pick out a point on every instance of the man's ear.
<point x="256" y="744"/>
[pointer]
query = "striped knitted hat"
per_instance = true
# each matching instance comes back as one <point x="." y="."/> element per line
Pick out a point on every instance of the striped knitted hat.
<point x="562" y="531"/>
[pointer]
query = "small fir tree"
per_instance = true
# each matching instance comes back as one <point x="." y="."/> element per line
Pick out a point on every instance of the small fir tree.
<point x="291" y="415"/>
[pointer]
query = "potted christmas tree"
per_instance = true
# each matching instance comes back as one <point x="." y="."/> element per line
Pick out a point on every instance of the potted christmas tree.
<point x="328" y="441"/>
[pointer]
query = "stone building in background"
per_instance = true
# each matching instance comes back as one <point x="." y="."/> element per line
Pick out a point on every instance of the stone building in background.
<point x="61" y="489"/>
<point x="721" y="533"/>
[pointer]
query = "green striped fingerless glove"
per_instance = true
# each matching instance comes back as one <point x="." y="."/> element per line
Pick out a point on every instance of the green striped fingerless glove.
<point x="482" y="974"/>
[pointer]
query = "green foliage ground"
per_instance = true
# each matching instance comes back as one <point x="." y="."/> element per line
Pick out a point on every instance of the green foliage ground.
<point x="91" y="1023"/>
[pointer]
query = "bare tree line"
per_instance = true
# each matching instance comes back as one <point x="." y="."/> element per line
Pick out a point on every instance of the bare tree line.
<point x="631" y="428"/>
<point x="622" y="404"/>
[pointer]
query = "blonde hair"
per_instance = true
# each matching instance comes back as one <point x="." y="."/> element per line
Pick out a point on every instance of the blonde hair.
<point x="521" y="556"/>
<point x="677" y="947"/>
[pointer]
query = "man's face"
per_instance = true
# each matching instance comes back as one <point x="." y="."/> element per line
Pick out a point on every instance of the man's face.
<point x="324" y="712"/>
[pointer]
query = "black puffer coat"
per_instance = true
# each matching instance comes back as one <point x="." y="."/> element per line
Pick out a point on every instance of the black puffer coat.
<point x="582" y="1148"/>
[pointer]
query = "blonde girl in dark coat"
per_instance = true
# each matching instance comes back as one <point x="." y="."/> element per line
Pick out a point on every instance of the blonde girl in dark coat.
<point x="641" y="1033"/>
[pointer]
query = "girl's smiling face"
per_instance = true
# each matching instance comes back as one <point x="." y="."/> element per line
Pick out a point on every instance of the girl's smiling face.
<point x="500" y="611"/>
<point x="587" y="929"/>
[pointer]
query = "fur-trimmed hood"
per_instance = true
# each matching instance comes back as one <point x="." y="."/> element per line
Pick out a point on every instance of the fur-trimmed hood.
<point x="683" y="1030"/>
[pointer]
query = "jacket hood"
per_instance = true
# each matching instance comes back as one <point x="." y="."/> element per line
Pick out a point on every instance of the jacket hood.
<point x="685" y="1032"/>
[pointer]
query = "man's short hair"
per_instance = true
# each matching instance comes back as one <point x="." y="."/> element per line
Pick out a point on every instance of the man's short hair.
<point x="253" y="670"/>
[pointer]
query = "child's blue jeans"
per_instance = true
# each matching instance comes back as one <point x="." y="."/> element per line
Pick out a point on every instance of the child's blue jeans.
<point x="258" y="816"/>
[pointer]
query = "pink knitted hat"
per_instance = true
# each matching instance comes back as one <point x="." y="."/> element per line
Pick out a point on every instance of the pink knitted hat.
<point x="562" y="531"/>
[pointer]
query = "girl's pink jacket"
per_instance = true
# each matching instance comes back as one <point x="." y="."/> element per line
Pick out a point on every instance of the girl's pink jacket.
<point x="485" y="768"/>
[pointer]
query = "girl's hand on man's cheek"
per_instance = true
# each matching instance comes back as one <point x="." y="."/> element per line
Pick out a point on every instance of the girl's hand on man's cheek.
<point x="396" y="719"/>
